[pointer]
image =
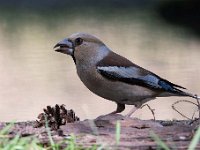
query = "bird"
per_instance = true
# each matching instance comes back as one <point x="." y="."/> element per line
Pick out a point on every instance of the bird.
<point x="114" y="77"/>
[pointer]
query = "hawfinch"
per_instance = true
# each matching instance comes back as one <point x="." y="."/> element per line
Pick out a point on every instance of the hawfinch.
<point x="114" y="77"/>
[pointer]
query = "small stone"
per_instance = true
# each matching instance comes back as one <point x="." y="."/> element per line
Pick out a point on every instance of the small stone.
<point x="182" y="138"/>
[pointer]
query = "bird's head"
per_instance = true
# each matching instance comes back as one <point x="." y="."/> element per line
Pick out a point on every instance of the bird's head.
<point x="80" y="46"/>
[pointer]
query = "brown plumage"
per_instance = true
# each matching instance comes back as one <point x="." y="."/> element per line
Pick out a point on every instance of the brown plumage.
<point x="114" y="77"/>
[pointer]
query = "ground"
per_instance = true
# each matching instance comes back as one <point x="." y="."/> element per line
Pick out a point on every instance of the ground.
<point x="134" y="134"/>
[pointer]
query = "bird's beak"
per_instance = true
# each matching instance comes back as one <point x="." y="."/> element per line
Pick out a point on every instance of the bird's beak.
<point x="65" y="46"/>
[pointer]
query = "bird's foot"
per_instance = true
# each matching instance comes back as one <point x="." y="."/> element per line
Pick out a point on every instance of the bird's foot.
<point x="110" y="117"/>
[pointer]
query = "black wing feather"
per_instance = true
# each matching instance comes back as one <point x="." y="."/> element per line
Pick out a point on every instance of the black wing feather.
<point x="148" y="80"/>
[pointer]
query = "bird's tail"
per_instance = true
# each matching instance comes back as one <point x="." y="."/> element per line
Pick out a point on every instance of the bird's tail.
<point x="196" y="97"/>
<point x="176" y="90"/>
<point x="182" y="93"/>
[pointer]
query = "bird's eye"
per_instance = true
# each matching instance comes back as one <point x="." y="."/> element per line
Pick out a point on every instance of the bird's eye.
<point x="78" y="41"/>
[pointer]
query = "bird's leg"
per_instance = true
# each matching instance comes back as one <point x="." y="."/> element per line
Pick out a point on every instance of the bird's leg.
<point x="120" y="108"/>
<point x="131" y="112"/>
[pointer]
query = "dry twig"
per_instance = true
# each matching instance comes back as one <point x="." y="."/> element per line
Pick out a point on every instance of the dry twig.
<point x="152" y="110"/>
<point x="198" y="98"/>
<point x="173" y="107"/>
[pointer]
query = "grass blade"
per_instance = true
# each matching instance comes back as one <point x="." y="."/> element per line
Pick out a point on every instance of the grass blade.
<point x="6" y="128"/>
<point x="49" y="134"/>
<point x="195" y="140"/>
<point x="158" y="141"/>
<point x="118" y="132"/>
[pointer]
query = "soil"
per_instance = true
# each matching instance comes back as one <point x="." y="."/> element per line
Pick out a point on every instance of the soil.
<point x="135" y="133"/>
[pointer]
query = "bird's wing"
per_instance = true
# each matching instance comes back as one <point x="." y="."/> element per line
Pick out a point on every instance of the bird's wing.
<point x="132" y="75"/>
<point x="118" y="68"/>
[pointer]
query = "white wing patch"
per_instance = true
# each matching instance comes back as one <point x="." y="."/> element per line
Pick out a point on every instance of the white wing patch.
<point x="130" y="73"/>
<point x="125" y="72"/>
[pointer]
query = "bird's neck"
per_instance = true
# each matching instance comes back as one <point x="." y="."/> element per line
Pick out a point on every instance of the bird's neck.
<point x="94" y="56"/>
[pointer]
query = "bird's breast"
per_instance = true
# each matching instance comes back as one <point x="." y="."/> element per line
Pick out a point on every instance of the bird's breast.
<point x="91" y="79"/>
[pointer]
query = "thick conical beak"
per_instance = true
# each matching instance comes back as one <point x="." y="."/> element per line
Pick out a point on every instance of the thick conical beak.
<point x="65" y="46"/>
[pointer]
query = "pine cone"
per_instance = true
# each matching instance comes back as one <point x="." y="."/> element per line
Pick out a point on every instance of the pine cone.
<point x="56" y="116"/>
